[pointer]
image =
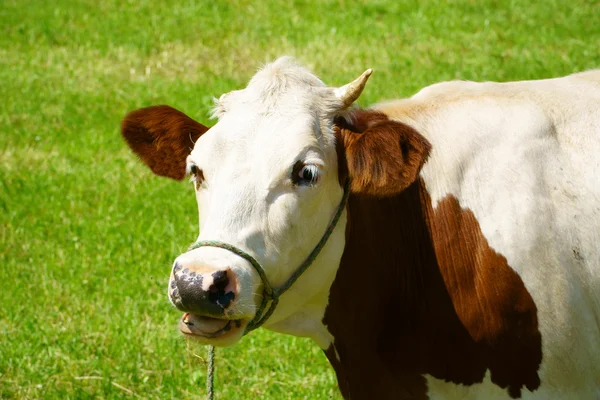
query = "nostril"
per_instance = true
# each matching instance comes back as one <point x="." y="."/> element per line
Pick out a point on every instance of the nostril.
<point x="217" y="292"/>
<point x="220" y="281"/>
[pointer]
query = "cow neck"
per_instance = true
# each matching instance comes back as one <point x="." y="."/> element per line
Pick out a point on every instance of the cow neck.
<point x="271" y="295"/>
<point x="419" y="291"/>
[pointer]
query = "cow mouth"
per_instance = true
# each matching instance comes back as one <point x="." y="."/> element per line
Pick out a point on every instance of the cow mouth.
<point x="207" y="327"/>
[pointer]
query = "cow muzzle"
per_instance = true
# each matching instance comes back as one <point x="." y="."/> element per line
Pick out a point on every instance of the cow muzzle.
<point x="206" y="295"/>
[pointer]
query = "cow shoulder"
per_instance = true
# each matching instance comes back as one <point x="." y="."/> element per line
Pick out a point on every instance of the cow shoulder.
<point x="446" y="305"/>
<point x="489" y="298"/>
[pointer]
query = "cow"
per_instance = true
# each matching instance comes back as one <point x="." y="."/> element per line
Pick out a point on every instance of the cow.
<point x="458" y="230"/>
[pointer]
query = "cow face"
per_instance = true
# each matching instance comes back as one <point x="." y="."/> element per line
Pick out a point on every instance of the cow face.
<point x="267" y="181"/>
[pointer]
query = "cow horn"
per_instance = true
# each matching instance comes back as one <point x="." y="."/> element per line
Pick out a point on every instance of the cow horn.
<point x="350" y="92"/>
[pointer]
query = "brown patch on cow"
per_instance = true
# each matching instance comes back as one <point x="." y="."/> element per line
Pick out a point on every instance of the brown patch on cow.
<point x="162" y="137"/>
<point x="382" y="157"/>
<point x="420" y="291"/>
<point x="489" y="297"/>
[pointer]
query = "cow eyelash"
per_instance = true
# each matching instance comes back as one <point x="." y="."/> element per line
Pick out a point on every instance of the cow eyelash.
<point x="195" y="173"/>
<point x="305" y="174"/>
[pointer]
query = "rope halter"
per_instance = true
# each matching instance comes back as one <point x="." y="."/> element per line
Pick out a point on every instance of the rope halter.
<point x="270" y="297"/>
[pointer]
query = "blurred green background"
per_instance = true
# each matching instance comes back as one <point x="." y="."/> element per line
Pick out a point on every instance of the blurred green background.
<point x="88" y="234"/>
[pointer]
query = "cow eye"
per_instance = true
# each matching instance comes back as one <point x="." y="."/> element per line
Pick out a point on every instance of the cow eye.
<point x="305" y="174"/>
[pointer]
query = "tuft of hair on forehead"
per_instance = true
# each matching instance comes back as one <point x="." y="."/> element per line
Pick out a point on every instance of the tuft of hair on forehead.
<point x="282" y="75"/>
<point x="281" y="84"/>
<point x="269" y="84"/>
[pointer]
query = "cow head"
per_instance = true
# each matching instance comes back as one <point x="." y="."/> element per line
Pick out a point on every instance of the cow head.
<point x="268" y="176"/>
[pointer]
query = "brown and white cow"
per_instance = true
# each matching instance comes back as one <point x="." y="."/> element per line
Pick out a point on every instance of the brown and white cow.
<point x="466" y="264"/>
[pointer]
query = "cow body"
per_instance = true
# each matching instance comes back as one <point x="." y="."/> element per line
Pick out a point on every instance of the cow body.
<point x="516" y="167"/>
<point x="466" y="263"/>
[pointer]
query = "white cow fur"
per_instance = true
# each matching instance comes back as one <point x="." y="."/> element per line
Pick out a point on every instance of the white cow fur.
<point x="523" y="156"/>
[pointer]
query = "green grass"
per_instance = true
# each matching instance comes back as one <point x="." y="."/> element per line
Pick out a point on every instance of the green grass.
<point x="88" y="235"/>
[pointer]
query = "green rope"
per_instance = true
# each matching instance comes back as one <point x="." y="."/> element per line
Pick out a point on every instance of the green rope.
<point x="210" y="378"/>
<point x="269" y="294"/>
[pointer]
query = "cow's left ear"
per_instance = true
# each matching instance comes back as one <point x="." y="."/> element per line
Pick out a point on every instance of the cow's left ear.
<point x="382" y="157"/>
<point x="162" y="137"/>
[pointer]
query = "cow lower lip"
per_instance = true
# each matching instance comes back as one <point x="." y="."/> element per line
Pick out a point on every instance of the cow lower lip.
<point x="208" y="327"/>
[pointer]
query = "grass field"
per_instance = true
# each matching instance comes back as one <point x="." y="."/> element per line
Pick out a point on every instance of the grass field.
<point x="88" y="234"/>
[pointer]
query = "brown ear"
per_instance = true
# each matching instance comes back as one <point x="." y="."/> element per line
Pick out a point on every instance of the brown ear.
<point x="162" y="137"/>
<point x="383" y="157"/>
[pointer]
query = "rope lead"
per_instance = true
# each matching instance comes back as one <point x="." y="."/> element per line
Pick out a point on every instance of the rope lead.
<point x="210" y="378"/>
